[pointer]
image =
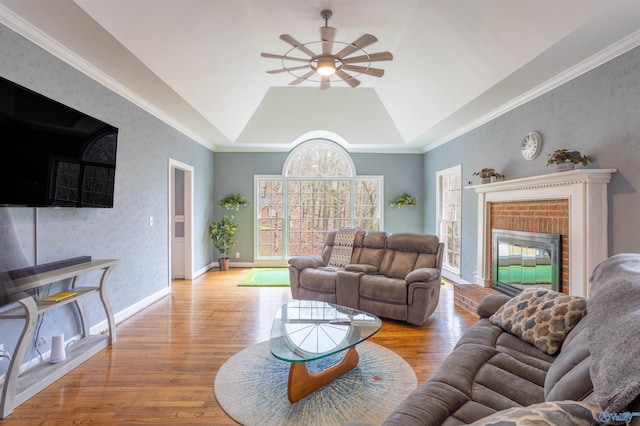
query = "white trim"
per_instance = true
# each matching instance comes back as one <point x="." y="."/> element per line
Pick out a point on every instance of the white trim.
<point x="100" y="327"/>
<point x="586" y="190"/>
<point x="39" y="38"/>
<point x="439" y="174"/>
<point x="131" y="310"/>
<point x="326" y="142"/>
<point x="620" y="47"/>
<point x="189" y="172"/>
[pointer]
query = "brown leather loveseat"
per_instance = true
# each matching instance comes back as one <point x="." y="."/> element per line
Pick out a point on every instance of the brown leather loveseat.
<point x="394" y="276"/>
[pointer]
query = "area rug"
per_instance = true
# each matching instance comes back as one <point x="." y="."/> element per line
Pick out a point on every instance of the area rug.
<point x="251" y="387"/>
<point x="273" y="277"/>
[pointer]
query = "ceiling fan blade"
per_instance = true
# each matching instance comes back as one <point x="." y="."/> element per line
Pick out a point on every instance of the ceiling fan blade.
<point x="325" y="83"/>
<point x="288" y="58"/>
<point x="360" y="43"/>
<point x="373" y="57"/>
<point x="327" y="34"/>
<point x="287" y="69"/>
<point x="352" y="81"/>
<point x="376" y="72"/>
<point x="295" y="43"/>
<point x="302" y="78"/>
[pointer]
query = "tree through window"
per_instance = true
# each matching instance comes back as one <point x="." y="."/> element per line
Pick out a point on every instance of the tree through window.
<point x="318" y="191"/>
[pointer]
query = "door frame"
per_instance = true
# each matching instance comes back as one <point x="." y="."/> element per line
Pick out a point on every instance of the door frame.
<point x="188" y="215"/>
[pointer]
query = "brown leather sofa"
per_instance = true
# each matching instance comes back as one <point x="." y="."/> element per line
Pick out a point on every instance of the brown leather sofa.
<point x="394" y="276"/>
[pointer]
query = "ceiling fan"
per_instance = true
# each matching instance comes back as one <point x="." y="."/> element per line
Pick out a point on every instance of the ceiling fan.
<point x="321" y="67"/>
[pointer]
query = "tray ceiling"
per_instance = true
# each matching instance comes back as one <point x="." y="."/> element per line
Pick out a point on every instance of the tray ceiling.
<point x="196" y="63"/>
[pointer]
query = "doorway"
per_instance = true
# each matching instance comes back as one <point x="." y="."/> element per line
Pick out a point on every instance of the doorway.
<point x="180" y="220"/>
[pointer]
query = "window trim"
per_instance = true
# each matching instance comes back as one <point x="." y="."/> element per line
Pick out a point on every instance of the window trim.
<point x="284" y="178"/>
<point x="439" y="175"/>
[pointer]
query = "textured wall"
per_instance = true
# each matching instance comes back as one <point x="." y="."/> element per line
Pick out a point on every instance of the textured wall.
<point x="597" y="113"/>
<point x="145" y="144"/>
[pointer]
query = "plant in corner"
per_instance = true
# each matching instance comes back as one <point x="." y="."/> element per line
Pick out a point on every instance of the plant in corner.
<point x="233" y="202"/>
<point x="222" y="233"/>
<point x="404" y="200"/>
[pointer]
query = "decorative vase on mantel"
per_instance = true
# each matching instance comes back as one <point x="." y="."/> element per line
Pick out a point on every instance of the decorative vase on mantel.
<point x="563" y="167"/>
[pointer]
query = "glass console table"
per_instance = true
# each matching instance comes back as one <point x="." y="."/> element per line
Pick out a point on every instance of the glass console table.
<point x="305" y="330"/>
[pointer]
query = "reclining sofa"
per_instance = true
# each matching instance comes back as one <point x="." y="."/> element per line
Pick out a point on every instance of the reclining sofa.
<point x="540" y="359"/>
<point x="395" y="276"/>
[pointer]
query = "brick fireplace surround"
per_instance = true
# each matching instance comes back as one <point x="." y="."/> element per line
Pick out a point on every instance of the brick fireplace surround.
<point x="573" y="204"/>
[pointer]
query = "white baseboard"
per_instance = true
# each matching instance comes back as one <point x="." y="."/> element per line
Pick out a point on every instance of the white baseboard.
<point x="454" y="278"/>
<point x="258" y="264"/>
<point x="131" y="310"/>
<point x="99" y="328"/>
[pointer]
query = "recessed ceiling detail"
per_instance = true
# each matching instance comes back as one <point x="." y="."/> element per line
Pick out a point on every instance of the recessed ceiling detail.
<point x="325" y="67"/>
<point x="456" y="64"/>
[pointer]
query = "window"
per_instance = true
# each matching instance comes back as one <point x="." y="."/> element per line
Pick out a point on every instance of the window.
<point x="317" y="192"/>
<point x="449" y="190"/>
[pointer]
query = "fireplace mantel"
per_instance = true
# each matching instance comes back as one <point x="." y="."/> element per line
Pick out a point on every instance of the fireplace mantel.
<point x="586" y="191"/>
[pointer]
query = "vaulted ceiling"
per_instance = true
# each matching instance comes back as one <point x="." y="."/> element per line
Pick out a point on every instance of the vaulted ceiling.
<point x="196" y="64"/>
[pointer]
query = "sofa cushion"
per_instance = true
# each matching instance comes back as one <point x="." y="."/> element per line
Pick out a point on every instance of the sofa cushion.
<point x="568" y="376"/>
<point x="423" y="274"/>
<point x="546" y="413"/>
<point x="318" y="280"/>
<point x="541" y="317"/>
<point x="406" y="252"/>
<point x="379" y="287"/>
<point x="374" y="244"/>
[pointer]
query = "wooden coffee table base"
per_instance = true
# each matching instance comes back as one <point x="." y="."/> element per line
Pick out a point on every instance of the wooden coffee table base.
<point x="301" y="383"/>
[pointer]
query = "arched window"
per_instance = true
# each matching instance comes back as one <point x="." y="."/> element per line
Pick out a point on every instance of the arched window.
<point x="319" y="158"/>
<point x="318" y="191"/>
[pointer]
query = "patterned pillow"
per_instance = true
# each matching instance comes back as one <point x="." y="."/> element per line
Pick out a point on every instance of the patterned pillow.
<point x="541" y="317"/>
<point x="545" y="414"/>
<point x="342" y="247"/>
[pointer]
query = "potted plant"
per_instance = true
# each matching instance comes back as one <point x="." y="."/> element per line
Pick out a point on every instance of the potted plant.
<point x="488" y="175"/>
<point x="565" y="159"/>
<point x="404" y="200"/>
<point x="233" y="202"/>
<point x="222" y="233"/>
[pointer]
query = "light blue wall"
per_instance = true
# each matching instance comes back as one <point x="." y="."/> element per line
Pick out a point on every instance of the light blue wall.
<point x="234" y="172"/>
<point x="597" y="113"/>
<point x="145" y="144"/>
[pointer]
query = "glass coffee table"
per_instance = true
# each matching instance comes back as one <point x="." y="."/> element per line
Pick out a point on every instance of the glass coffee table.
<point x="305" y="330"/>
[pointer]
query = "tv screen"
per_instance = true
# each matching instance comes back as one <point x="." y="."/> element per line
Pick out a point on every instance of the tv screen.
<point x="53" y="155"/>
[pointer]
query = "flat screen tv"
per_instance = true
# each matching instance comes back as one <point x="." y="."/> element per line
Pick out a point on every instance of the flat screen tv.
<point x="53" y="155"/>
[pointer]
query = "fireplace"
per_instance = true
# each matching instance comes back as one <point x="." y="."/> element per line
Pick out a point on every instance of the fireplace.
<point x="586" y="193"/>
<point x="525" y="259"/>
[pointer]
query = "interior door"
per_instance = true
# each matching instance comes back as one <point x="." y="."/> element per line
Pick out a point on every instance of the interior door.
<point x="178" y="225"/>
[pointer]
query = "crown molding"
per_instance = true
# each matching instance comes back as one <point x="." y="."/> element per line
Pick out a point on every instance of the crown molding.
<point x="620" y="47"/>
<point x="24" y="28"/>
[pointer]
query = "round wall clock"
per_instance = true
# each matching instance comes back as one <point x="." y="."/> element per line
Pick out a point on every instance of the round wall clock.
<point x="531" y="145"/>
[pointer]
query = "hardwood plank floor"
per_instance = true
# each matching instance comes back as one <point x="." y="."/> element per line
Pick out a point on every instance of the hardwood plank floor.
<point x="161" y="369"/>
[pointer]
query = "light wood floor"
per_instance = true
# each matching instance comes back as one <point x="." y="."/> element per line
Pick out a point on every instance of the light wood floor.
<point x="161" y="369"/>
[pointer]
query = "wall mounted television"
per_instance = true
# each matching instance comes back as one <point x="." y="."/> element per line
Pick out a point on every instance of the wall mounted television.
<point x="52" y="155"/>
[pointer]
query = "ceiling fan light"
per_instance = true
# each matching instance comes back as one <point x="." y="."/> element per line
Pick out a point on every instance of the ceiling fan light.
<point x="326" y="67"/>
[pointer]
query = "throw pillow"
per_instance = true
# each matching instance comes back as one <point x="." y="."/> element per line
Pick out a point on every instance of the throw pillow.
<point x="545" y="414"/>
<point x="342" y="247"/>
<point x="541" y="317"/>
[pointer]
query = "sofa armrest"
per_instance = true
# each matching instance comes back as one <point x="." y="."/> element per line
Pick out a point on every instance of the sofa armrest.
<point x="303" y="262"/>
<point x="422" y="274"/>
<point x="490" y="304"/>
<point x="361" y="267"/>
